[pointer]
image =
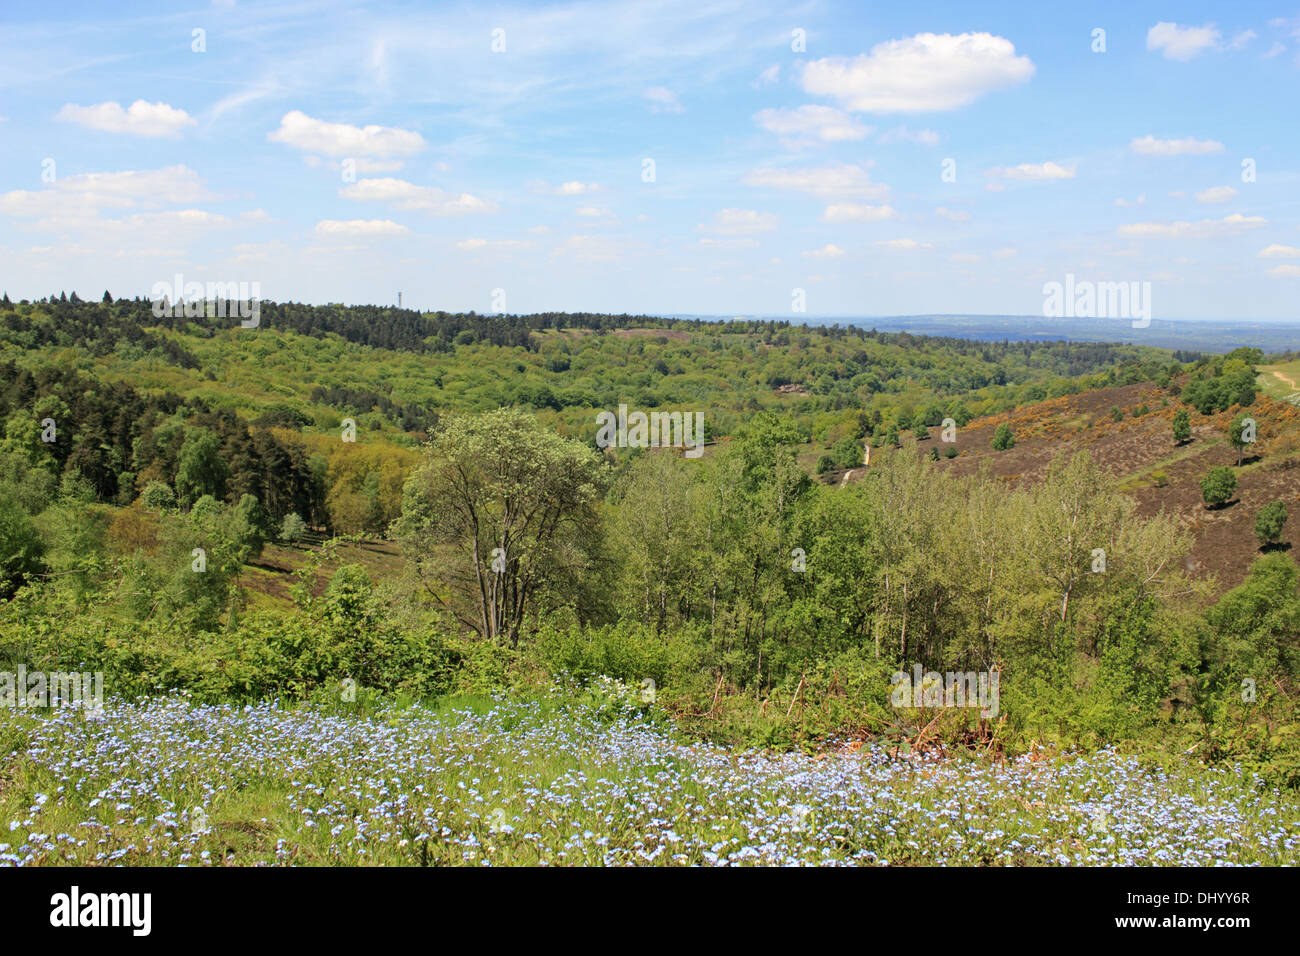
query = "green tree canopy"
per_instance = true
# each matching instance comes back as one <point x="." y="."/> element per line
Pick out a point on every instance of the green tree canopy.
<point x="1218" y="486"/>
<point x="501" y="514"/>
<point x="201" y="470"/>
<point x="1269" y="523"/>
<point x="1003" y="437"/>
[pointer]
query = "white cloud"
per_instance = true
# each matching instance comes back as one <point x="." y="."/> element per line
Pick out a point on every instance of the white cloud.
<point x="1205" y="229"/>
<point x="1182" y="43"/>
<point x="1276" y="49"/>
<point x="139" y="119"/>
<point x="172" y="220"/>
<point x="255" y="215"/>
<point x="901" y="134"/>
<point x="140" y="233"/>
<point x="811" y="124"/>
<point x="1216" y="194"/>
<point x="768" y="77"/>
<point x="1241" y="39"/>
<point x="965" y="257"/>
<point x="354" y="228"/>
<point x="1125" y="203"/>
<point x="728" y="243"/>
<point x="1276" y="251"/>
<point x="663" y="100"/>
<point x="854" y="212"/>
<point x="1032" y="172"/>
<point x="1006" y="253"/>
<point x="82" y="196"/>
<point x="594" y="212"/>
<point x="403" y="195"/>
<point x="739" y="222"/>
<point x="920" y="73"/>
<point x="903" y="245"/>
<point x="1150" y="146"/>
<point x="170" y="185"/>
<point x="301" y="131"/>
<point x="1287" y="271"/>
<point x="840" y="179"/>
<point x="953" y="215"/>
<point x="828" y="251"/>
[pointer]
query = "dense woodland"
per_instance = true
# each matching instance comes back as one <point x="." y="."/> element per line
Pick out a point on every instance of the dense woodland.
<point x="134" y="396"/>
<point x="765" y="605"/>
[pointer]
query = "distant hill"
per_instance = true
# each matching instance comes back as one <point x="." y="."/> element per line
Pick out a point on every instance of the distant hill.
<point x="1178" y="334"/>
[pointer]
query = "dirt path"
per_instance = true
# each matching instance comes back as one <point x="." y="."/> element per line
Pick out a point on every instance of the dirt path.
<point x="1294" y="387"/>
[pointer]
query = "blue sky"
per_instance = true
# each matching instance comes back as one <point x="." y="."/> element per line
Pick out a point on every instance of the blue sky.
<point x="343" y="152"/>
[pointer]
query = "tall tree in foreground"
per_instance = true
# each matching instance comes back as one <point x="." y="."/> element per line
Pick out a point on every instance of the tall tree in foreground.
<point x="501" y="514"/>
<point x="1182" y="426"/>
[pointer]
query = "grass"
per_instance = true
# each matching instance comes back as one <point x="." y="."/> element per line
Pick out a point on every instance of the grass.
<point x="598" y="779"/>
<point x="1279" y="381"/>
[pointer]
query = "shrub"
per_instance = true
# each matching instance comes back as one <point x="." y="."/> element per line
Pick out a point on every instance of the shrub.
<point x="21" y="546"/>
<point x="1218" y="486"/>
<point x="292" y="528"/>
<point x="630" y="651"/>
<point x="1269" y="523"/>
<point x="1003" y="438"/>
<point x="1222" y="392"/>
<point x="158" y="496"/>
<point x="847" y="452"/>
